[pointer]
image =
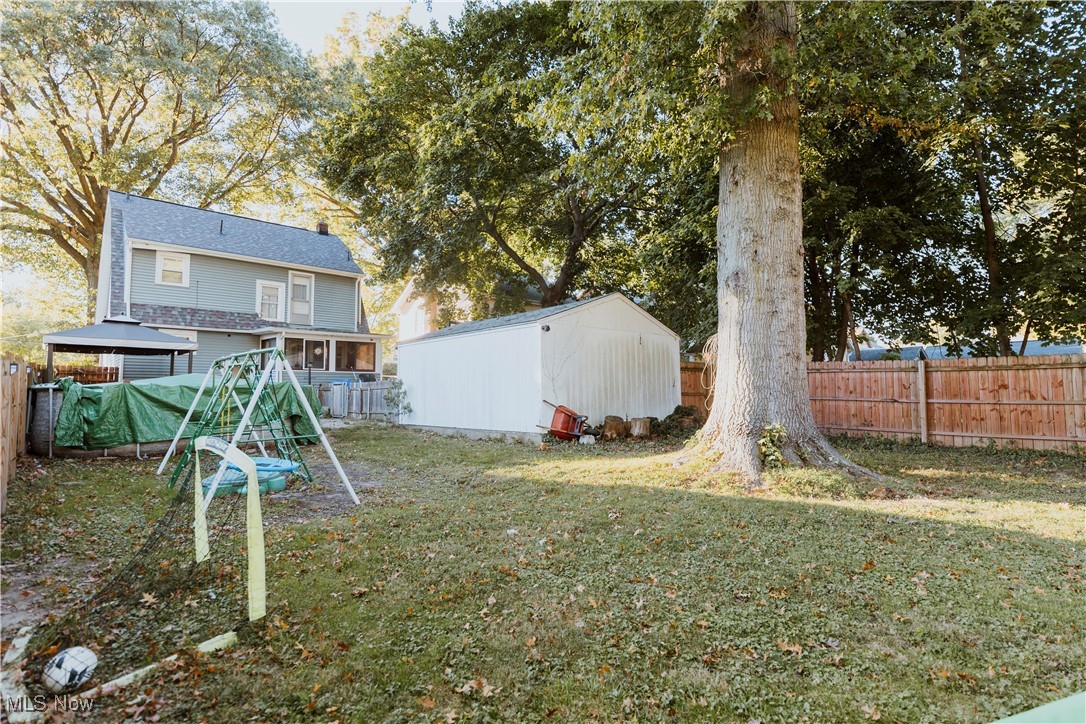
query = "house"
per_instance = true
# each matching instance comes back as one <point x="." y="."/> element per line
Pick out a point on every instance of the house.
<point x="231" y="284"/>
<point x="419" y="312"/>
<point x="914" y="352"/>
<point x="601" y="356"/>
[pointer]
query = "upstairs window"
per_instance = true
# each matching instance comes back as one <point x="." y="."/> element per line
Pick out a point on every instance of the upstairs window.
<point x="301" y="298"/>
<point x="171" y="269"/>
<point x="269" y="300"/>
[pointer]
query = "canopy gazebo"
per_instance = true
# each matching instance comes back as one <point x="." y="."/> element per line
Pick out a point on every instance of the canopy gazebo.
<point x="116" y="335"/>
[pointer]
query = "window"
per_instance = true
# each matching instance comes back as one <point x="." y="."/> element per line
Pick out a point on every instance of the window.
<point x="301" y="298"/>
<point x="189" y="334"/>
<point x="303" y="353"/>
<point x="316" y="354"/>
<point x="269" y="300"/>
<point x="356" y="357"/>
<point x="294" y="349"/>
<point x="171" y="269"/>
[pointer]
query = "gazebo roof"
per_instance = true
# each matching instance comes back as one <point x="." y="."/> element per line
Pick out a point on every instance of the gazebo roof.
<point x="118" y="335"/>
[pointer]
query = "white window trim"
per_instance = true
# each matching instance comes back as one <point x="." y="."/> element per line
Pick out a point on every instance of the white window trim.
<point x="185" y="263"/>
<point x="290" y="297"/>
<point x="282" y="299"/>
<point x="327" y="354"/>
<point x="191" y="335"/>
<point x="329" y="351"/>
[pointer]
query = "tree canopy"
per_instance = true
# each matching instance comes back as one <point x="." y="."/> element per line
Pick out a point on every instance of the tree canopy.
<point x="461" y="175"/>
<point x="193" y="100"/>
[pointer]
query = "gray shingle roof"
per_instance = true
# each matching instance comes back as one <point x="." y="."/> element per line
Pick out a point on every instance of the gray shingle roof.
<point x="1033" y="348"/>
<point x="180" y="225"/>
<point x="498" y="322"/>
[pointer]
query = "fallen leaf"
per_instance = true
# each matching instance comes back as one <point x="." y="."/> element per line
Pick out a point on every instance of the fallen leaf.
<point x="785" y="646"/>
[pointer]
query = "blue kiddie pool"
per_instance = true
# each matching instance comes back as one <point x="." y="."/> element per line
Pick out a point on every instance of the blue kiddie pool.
<point x="271" y="474"/>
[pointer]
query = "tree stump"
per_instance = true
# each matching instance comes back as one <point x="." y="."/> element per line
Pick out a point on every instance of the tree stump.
<point x="613" y="427"/>
<point x="640" y="427"/>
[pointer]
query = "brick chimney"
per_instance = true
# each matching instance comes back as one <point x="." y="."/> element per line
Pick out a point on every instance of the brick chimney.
<point x="322" y="227"/>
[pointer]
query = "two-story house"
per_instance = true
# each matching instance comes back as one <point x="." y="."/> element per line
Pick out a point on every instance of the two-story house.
<point x="232" y="284"/>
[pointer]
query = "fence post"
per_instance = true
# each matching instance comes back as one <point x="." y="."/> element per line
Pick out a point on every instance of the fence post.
<point x="922" y="399"/>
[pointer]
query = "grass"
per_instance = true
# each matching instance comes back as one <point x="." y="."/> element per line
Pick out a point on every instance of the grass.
<point x="492" y="581"/>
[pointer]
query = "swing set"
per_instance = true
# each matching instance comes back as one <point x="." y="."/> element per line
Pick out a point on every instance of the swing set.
<point x="262" y="419"/>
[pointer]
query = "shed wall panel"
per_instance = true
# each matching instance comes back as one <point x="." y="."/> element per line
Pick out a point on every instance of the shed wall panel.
<point x="487" y="381"/>
<point x="610" y="359"/>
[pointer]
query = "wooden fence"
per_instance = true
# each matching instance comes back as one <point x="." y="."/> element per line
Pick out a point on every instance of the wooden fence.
<point x="696" y="387"/>
<point x="358" y="400"/>
<point x="15" y="377"/>
<point x="1032" y="402"/>
<point x="86" y="374"/>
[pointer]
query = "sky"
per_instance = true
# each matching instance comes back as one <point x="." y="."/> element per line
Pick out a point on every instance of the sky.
<point x="307" y="23"/>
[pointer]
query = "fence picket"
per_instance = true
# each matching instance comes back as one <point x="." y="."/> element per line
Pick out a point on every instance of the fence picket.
<point x="1034" y="402"/>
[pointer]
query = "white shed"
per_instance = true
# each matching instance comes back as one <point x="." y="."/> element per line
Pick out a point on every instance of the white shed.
<point x="601" y="356"/>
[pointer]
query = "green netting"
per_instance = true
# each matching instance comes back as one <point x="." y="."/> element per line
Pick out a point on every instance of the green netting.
<point x="116" y="414"/>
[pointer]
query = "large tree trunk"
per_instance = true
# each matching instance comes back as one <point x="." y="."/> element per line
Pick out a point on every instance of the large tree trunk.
<point x="91" y="270"/>
<point x="761" y="371"/>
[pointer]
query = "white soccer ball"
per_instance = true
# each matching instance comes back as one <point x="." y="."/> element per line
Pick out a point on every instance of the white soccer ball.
<point x="69" y="669"/>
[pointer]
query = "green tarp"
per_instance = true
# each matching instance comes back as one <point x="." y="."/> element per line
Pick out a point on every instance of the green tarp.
<point x="116" y="414"/>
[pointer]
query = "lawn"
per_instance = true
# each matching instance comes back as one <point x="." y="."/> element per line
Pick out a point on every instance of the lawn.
<point x="494" y="581"/>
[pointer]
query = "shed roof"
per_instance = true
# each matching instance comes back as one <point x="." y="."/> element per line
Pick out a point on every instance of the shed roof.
<point x="536" y="315"/>
<point x="511" y="320"/>
<point x="166" y="222"/>
<point x="118" y="334"/>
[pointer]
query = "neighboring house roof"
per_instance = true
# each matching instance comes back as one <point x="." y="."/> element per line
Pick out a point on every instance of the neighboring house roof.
<point x="186" y="226"/>
<point x="913" y="352"/>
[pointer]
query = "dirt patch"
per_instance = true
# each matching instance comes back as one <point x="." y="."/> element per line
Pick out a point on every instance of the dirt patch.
<point x="323" y="499"/>
<point x="36" y="586"/>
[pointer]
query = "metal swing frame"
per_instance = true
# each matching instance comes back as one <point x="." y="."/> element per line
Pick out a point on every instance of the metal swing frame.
<point x="243" y="369"/>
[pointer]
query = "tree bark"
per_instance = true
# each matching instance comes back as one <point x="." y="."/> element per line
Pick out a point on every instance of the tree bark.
<point x="761" y="371"/>
<point x="991" y="252"/>
<point x="91" y="270"/>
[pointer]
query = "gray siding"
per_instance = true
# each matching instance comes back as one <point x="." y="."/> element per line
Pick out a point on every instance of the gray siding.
<point x="230" y="285"/>
<point x="212" y="346"/>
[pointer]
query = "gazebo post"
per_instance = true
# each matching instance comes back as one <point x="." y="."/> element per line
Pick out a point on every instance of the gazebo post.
<point x="173" y="356"/>
<point x="190" y="362"/>
<point x="49" y="363"/>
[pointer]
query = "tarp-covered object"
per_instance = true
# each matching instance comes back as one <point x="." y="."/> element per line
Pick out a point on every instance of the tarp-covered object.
<point x="116" y="414"/>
